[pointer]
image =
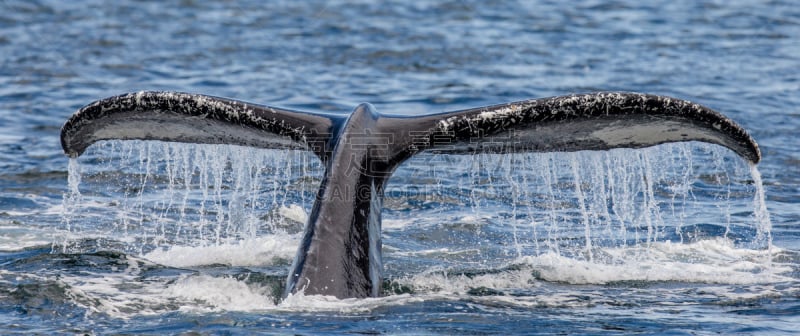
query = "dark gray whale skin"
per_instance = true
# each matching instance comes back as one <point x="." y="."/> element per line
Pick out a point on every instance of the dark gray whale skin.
<point x="340" y="253"/>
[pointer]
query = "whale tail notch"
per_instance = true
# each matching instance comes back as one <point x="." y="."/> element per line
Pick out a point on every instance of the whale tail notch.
<point x="340" y="253"/>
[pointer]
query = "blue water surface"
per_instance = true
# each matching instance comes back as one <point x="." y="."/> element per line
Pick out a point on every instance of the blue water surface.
<point x="465" y="258"/>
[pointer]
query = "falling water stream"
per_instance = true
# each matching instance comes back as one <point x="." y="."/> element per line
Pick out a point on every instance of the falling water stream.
<point x="617" y="216"/>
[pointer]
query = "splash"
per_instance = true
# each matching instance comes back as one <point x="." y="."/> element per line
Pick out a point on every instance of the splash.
<point x="557" y="217"/>
<point x="219" y="294"/>
<point x="571" y="204"/>
<point x="155" y="196"/>
<point x="272" y="249"/>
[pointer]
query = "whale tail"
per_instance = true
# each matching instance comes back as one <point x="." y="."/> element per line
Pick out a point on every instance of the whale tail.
<point x="340" y="253"/>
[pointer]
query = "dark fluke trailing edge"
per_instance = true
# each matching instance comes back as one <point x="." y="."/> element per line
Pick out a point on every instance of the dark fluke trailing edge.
<point x="340" y="254"/>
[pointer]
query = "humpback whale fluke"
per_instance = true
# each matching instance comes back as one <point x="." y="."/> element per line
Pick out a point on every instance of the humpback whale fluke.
<point x="340" y="253"/>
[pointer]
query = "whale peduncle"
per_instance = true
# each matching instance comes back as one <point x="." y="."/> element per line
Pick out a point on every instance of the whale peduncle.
<point x="340" y="253"/>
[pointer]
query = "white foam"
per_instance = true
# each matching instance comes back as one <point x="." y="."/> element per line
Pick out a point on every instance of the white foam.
<point x="302" y="302"/>
<point x="726" y="272"/>
<point x="394" y="224"/>
<point x="714" y="261"/>
<point x="119" y="294"/>
<point x="438" y="251"/>
<point x="123" y="294"/>
<point x="708" y="261"/>
<point x="219" y="293"/>
<point x="15" y="237"/>
<point x="439" y="281"/>
<point x="251" y="252"/>
<point x="293" y="212"/>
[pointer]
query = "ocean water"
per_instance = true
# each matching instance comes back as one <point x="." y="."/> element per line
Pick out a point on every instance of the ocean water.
<point x="159" y="238"/>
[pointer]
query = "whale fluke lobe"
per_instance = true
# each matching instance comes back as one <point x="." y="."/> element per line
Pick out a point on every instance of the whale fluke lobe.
<point x="195" y="118"/>
<point x="340" y="253"/>
<point x="596" y="121"/>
